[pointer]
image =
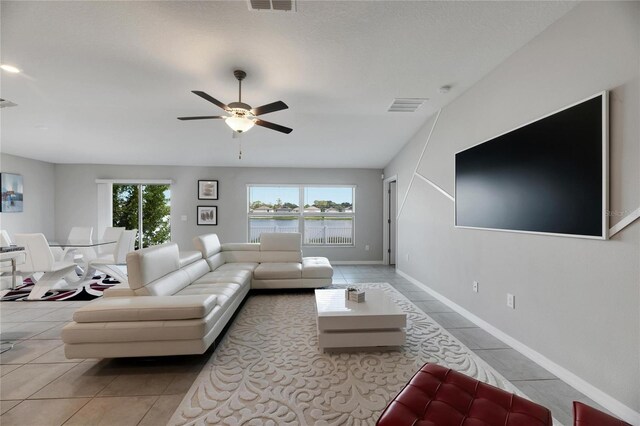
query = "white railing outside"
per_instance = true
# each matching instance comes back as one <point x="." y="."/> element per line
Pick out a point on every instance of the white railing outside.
<point x="328" y="235"/>
<point x="313" y="235"/>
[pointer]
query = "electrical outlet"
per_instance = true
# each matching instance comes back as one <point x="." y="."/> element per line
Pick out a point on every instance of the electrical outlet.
<point x="511" y="301"/>
<point x="366" y="248"/>
<point x="475" y="286"/>
<point x="407" y="257"/>
<point x="183" y="218"/>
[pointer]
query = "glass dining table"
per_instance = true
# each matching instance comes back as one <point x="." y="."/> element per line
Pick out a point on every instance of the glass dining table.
<point x="80" y="243"/>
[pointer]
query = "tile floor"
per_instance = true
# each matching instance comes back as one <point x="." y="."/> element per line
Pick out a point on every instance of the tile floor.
<point x="39" y="386"/>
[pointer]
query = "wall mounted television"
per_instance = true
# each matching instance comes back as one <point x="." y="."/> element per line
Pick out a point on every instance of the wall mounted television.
<point x="549" y="176"/>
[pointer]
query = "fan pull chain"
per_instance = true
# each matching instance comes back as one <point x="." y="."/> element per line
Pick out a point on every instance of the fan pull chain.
<point x="240" y="150"/>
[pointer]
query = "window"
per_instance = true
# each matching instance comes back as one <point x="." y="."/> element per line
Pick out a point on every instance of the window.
<point x="323" y="214"/>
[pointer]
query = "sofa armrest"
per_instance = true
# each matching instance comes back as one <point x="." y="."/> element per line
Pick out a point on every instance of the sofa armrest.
<point x="146" y="308"/>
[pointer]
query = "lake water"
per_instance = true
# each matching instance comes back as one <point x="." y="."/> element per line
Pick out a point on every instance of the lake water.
<point x="329" y="223"/>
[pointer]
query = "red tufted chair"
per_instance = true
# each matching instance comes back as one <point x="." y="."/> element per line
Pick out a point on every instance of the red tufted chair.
<point x="439" y="396"/>
<point x="584" y="415"/>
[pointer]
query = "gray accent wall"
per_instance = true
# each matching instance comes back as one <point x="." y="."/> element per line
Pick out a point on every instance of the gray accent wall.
<point x="577" y="301"/>
<point x="76" y="195"/>
<point x="38" y="213"/>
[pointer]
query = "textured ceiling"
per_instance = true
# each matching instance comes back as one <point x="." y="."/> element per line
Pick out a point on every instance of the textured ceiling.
<point x="103" y="82"/>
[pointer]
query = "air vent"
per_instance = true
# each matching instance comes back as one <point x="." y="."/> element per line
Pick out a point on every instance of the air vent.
<point x="273" y="5"/>
<point x="406" y="104"/>
<point x="6" y="104"/>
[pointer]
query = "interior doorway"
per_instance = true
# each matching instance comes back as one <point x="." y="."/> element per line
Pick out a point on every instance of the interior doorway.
<point x="390" y="238"/>
<point x="393" y="197"/>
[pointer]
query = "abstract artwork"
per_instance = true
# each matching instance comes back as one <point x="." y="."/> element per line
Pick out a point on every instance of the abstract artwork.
<point x="207" y="215"/>
<point x="12" y="192"/>
<point x="207" y="190"/>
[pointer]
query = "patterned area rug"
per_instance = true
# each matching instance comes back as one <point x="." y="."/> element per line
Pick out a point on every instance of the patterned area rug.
<point x="89" y="290"/>
<point x="268" y="369"/>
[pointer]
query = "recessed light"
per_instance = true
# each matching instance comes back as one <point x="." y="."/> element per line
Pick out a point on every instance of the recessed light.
<point x="10" y="68"/>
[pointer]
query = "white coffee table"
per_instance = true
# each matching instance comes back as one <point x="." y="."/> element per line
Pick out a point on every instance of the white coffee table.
<point x="343" y="324"/>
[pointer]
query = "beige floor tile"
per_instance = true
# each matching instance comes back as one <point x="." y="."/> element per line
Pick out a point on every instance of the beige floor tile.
<point x="121" y="411"/>
<point x="7" y="368"/>
<point x="26" y="351"/>
<point x="84" y="380"/>
<point x="162" y="410"/>
<point x="52" y="333"/>
<point x="138" y="384"/>
<point x="181" y="383"/>
<point x="30" y="378"/>
<point x="62" y="314"/>
<point x="29" y="314"/>
<point x="39" y="304"/>
<point x="6" y="325"/>
<point x="25" y="330"/>
<point x="7" y="405"/>
<point x="42" y="412"/>
<point x="56" y="355"/>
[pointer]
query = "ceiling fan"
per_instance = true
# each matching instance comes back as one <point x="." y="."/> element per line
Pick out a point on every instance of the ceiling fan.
<point x="241" y="116"/>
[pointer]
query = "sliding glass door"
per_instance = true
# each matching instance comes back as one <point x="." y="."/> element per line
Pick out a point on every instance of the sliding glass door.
<point x="146" y="208"/>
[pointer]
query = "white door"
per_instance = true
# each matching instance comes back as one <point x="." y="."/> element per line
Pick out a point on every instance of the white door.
<point x="393" y="197"/>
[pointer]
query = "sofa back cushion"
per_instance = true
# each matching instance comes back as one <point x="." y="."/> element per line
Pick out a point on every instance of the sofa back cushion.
<point x="149" y="264"/>
<point x="210" y="247"/>
<point x="168" y="285"/>
<point x="241" y="252"/>
<point x="280" y="241"/>
<point x="280" y="247"/>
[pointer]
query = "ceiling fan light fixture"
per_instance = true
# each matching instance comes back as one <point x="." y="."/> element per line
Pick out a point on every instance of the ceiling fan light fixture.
<point x="239" y="124"/>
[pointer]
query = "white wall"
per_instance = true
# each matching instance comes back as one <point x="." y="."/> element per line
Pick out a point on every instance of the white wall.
<point x="39" y="205"/>
<point x="76" y="195"/>
<point x="577" y="301"/>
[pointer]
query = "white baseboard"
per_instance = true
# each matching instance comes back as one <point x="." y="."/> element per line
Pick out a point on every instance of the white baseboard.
<point x="357" y="262"/>
<point x="607" y="401"/>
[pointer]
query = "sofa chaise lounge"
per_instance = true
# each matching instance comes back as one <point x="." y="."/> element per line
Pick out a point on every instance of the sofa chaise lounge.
<point x="178" y="303"/>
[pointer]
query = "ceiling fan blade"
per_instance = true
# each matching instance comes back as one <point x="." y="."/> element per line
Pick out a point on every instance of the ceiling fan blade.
<point x="203" y="117"/>
<point x="272" y="107"/>
<point x="273" y="126"/>
<point x="210" y="99"/>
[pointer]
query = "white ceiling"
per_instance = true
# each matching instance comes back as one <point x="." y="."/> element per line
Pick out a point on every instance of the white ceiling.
<point x="103" y="82"/>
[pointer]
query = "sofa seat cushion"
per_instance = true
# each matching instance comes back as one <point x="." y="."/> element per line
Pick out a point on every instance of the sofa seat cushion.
<point x="229" y="276"/>
<point x="277" y="270"/>
<point x="138" y="331"/>
<point x="241" y="266"/>
<point x="316" y="267"/>
<point x="146" y="308"/>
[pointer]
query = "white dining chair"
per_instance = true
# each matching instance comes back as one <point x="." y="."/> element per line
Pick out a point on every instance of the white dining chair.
<point x="39" y="259"/>
<point x="113" y="264"/>
<point x="110" y="234"/>
<point x="5" y="240"/>
<point x="9" y="282"/>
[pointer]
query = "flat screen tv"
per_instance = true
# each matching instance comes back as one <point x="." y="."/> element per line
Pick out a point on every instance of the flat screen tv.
<point x="549" y="176"/>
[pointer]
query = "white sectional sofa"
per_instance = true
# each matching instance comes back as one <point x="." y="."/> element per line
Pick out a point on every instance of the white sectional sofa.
<point x="178" y="303"/>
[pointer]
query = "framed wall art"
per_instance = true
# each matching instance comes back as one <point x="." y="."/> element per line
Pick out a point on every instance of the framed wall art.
<point x="208" y="215"/>
<point x="207" y="190"/>
<point x="12" y="193"/>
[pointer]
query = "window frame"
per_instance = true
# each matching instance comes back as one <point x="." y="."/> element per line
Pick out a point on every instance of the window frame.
<point x="301" y="215"/>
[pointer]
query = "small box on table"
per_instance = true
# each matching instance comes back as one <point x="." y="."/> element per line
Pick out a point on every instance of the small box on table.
<point x="355" y="295"/>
